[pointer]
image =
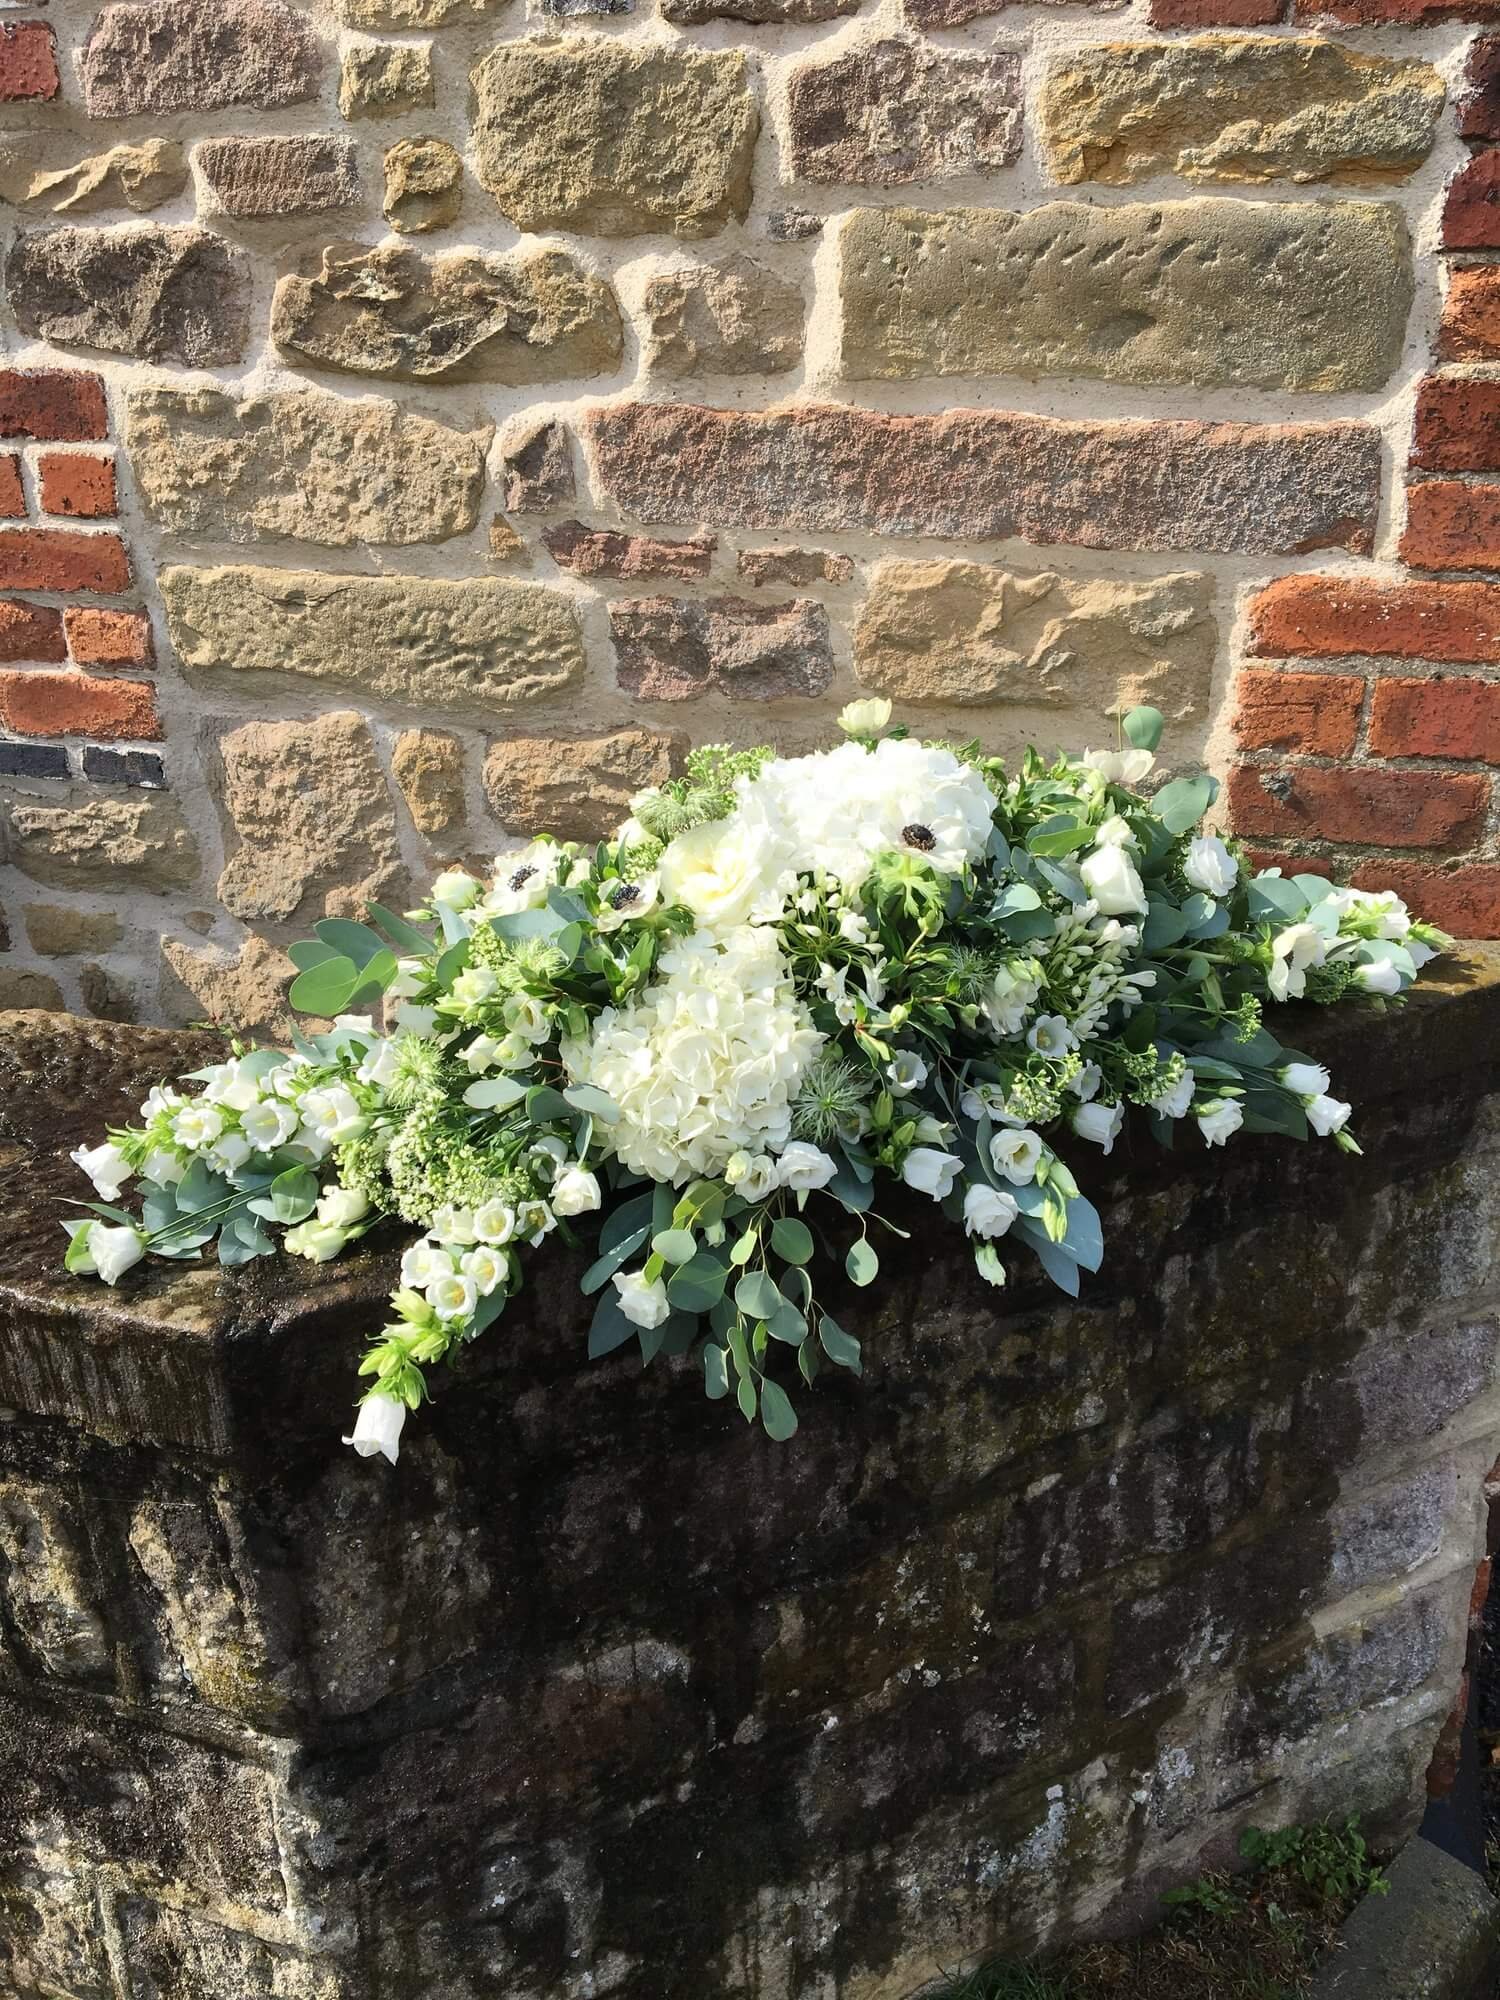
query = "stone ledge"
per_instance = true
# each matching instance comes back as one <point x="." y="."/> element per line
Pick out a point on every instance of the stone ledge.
<point x="1436" y="1936"/>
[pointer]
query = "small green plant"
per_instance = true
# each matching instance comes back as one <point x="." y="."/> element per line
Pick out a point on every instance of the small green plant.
<point x="1332" y="1859"/>
<point x="1214" y="1896"/>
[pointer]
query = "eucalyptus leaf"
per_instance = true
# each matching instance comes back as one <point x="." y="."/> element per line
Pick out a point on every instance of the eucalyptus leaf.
<point x="715" y="1372"/>
<point x="757" y="1295"/>
<point x="1143" y="727"/>
<point x="776" y="1411"/>
<point x="839" y="1346"/>
<point x="791" y="1239"/>
<point x="861" y="1263"/>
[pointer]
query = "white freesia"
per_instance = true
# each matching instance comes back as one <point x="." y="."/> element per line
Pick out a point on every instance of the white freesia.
<point x="1177" y="1099"/>
<point x="1327" y="1115"/>
<point x="643" y="1301"/>
<point x="268" y="1124"/>
<point x="1120" y="767"/>
<point x="988" y="1211"/>
<point x="106" y="1167"/>
<point x="575" y="1192"/>
<point x="1379" y="976"/>
<point x="804" y="1166"/>
<point x="1209" y="866"/>
<point x="865" y="718"/>
<point x="494" y="1222"/>
<point x="424" y="1263"/>
<point x="197" y="1125"/>
<point x="377" y="1428"/>
<point x="1305" y="1079"/>
<point x="1098" y="1123"/>
<point x="931" y="1172"/>
<point x="485" y="1266"/>
<point x="114" y="1248"/>
<point x="905" y="1072"/>
<point x="1294" y="950"/>
<point x="319" y="1242"/>
<point x="1017" y="1152"/>
<point x="342" y="1207"/>
<point x="332" y="1114"/>
<point x="1111" y="878"/>
<point x="1219" y="1121"/>
<point x="1050" y="1035"/>
<point x="455" y="887"/>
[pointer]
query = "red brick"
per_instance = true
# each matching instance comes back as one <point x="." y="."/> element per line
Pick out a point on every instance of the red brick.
<point x="81" y="483"/>
<point x="1479" y="106"/>
<point x="1471" y="213"/>
<point x="1318" y="713"/>
<point x="1470" y="328"/>
<point x="1463" y="900"/>
<point x="1336" y="617"/>
<point x="30" y="631"/>
<point x="34" y="702"/>
<point x="1370" y="806"/>
<point x="1449" y="526"/>
<point x="1216" y="13"/>
<point x="1289" y="862"/>
<point x="1458" y="425"/>
<point x="1452" y="717"/>
<point x="1447" y="1752"/>
<point x="1479" y="1596"/>
<point x="59" y="405"/>
<point x="109" y="638"/>
<point x="1397" y="13"/>
<point x="12" y="498"/>
<point x="62" y="559"/>
<point x="28" y="62"/>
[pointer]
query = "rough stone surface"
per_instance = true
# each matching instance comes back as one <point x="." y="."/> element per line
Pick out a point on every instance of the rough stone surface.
<point x="986" y="474"/>
<point x="93" y="842"/>
<point x="311" y="822"/>
<point x="675" y="649"/>
<point x="615" y="139"/>
<point x="1074" y="652"/>
<point x="50" y="174"/>
<point x="198" y="55"/>
<point x="424" y="185"/>
<point x="537" y="470"/>
<point x="481" y="643"/>
<point x="58" y="929"/>
<point x="794" y="566"/>
<point x="1302" y="296"/>
<point x="733" y="318"/>
<point x="20" y="987"/>
<point x="255" y="179"/>
<point x="895" y="111"/>
<point x="577" y="787"/>
<point x="160" y="294"/>
<point x="1471" y="212"/>
<point x="428" y="766"/>
<point x="605" y="552"/>
<point x="243" y="992"/>
<point x="1237" y="108"/>
<point x="312" y="467"/>
<point x="385" y="80"/>
<point x="534" y="316"/>
<point x="414" y="13"/>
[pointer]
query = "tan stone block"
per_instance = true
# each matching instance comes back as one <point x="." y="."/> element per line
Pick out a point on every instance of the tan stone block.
<point x="298" y="463"/>
<point x="477" y="643"/>
<point x="413" y="13"/>
<point x="50" y="1591"/>
<point x="1284" y="295"/>
<point x="734" y="318"/>
<point x="615" y="138"/>
<point x="577" y="787"/>
<point x="428" y="766"/>
<point x="22" y="988"/>
<point x="107" y="996"/>
<point x="56" y="929"/>
<point x="274" y="177"/>
<point x="424" y="185"/>
<point x="1236" y="108"/>
<point x="94" y="842"/>
<point x="244" y="991"/>
<point x="385" y="80"/>
<point x="46" y="172"/>
<point x="886" y="112"/>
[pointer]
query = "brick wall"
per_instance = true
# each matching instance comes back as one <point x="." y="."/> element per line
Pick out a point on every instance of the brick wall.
<point x="423" y="418"/>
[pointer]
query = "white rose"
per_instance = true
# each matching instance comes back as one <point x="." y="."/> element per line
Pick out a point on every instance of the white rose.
<point x="1177" y="1101"/>
<point x="906" y="1072"/>
<point x="114" y="1250"/>
<point x="319" y="1242"/>
<point x="1098" y="1123"/>
<point x="1219" y="1121"/>
<point x="424" y="1263"/>
<point x="1115" y="832"/>
<point x="455" y="887"/>
<point x="929" y="1171"/>
<point x="864" y="718"/>
<point x="495" y="1222"/>
<point x="1017" y="1153"/>
<point x="105" y="1166"/>
<point x="1295" y="948"/>
<point x="575" y="1192"/>
<point x="1110" y="877"/>
<point x="453" y="1297"/>
<point x="485" y="1266"/>
<point x="1379" y="977"/>
<point x="1327" y="1115"/>
<point x="988" y="1212"/>
<point x="643" y="1303"/>
<point x="1305" y="1079"/>
<point x="1208" y="865"/>
<point x="342" y="1207"/>
<point x="724" y="872"/>
<point x="377" y="1428"/>
<point x="268" y="1125"/>
<point x="805" y="1166"/>
<point x="754" y="1175"/>
<point x="1120" y="767"/>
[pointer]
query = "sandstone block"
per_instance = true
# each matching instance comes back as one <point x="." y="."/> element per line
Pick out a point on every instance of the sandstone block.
<point x="794" y="566"/>
<point x="385" y="80"/>
<point x="1286" y="295"/>
<point x="978" y="474"/>
<point x="756" y="13"/>
<point x="428" y="766"/>
<point x="424" y="185"/>
<point x="159" y="294"/>
<point x="58" y="929"/>
<point x="1073" y="652"/>
<point x="613" y="138"/>
<point x="895" y="111"/>
<point x="480" y="643"/>
<point x="505" y="545"/>
<point x="538" y="470"/>
<point x="36" y="172"/>
<point x="606" y="552"/>
<point x="253" y="179"/>
<point x="674" y="649"/>
<point x="1237" y="108"/>
<point x="413" y="13"/>
<point x="309" y="817"/>
<point x="243" y="992"/>
<point x="98" y="843"/>
<point x="105" y="994"/>
<point x="734" y="318"/>
<point x="21" y="988"/>
<point x="533" y="316"/>
<point x="198" y="55"/>
<point x="577" y="787"/>
<point x="313" y="467"/>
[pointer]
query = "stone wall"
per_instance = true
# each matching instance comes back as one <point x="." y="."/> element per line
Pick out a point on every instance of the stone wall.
<point x="599" y="1694"/>
<point x="424" y="417"/>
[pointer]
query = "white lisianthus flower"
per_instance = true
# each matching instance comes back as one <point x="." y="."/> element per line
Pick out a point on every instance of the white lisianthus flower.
<point x="643" y="1301"/>
<point x="268" y="1124"/>
<point x="105" y="1166"/>
<point x="319" y="1242"/>
<point x="357" y="1024"/>
<point x="332" y="1114"/>
<point x="575" y="1192"/>
<point x="865" y="718"/>
<point x="1017" y="1152"/>
<point x="1115" y="832"/>
<point x="803" y="1166"/>
<point x="726" y="872"/>
<point x="495" y="1222"/>
<point x="1220" y="1120"/>
<point x="988" y="1211"/>
<point x="549" y="1154"/>
<point x="1098" y="1123"/>
<point x="377" y="1428"/>
<point x="453" y="1297"/>
<point x="486" y="1267"/>
<point x="754" y="1175"/>
<point x="481" y="1054"/>
<point x="197" y="1125"/>
<point x="1111" y="878"/>
<point x="526" y="1016"/>
<point x="1085" y="1085"/>
<point x="1209" y="866"/>
<point x="906" y="1072"/>
<point x="1327" y="1115"/>
<point x="229" y="1152"/>
<point x="1295" y="949"/>
<point x="1050" y="1035"/>
<point x="1305" y="1079"/>
<point x="424" y="1263"/>
<point x="1120" y="767"/>
<point x="161" y="1097"/>
<point x="451" y="1224"/>
<point x="415" y="1020"/>
<point x="412" y="974"/>
<point x="342" y="1207"/>
<point x="473" y="986"/>
<point x="1177" y="1101"/>
<point x="379" y="1066"/>
<point x="1380" y="976"/>
<point x="114" y="1250"/>
<point x="929" y="1171"/>
<point x="456" y="888"/>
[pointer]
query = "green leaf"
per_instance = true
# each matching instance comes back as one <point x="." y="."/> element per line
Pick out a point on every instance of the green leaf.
<point x="862" y="1264"/>
<point x="543" y="923"/>
<point x="744" y="1248"/>
<point x="1143" y="727"/>
<point x="376" y="976"/>
<point x="715" y="1372"/>
<point x="745" y="1396"/>
<point x="1064" y="840"/>
<point x="677" y="1246"/>
<point x="1180" y="805"/>
<point x="610" y="1328"/>
<point x="453" y="961"/>
<point x="353" y="941"/>
<point x="787" y="1324"/>
<point x="855" y="1194"/>
<point x="757" y="1295"/>
<point x="308" y="952"/>
<point x="543" y="1104"/>
<point x="598" y="1103"/>
<point x="294" y="1195"/>
<point x="776" y="1411"/>
<point x="791" y="1239"/>
<point x="494" y="1093"/>
<point x="840" y="1347"/>
<point x="625" y="1220"/>
<point x="604" y="1267"/>
<point x="699" y="1285"/>
<point x="325" y="988"/>
<point x="1274" y="896"/>
<point x="1165" y="924"/>
<point x="404" y="936"/>
<point x="1017" y="897"/>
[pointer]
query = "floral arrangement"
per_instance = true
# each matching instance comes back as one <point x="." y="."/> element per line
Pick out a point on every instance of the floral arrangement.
<point x="781" y="985"/>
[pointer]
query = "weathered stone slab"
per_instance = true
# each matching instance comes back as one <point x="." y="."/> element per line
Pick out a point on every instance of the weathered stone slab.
<point x="385" y="80"/>
<point x="480" y="643"/>
<point x="537" y="469"/>
<point x="734" y="318"/>
<point x="756" y="13"/>
<point x="413" y="13"/>
<point x="424" y="185"/>
<point x="613" y="138"/>
<point x="1081" y="649"/>
<point x="312" y="467"/>
<point x="576" y="787"/>
<point x="1285" y="295"/>
<point x="160" y="294"/>
<point x="1236" y="108"/>
<point x="676" y="649"/>
<point x="198" y="55"/>
<point x="534" y="316"/>
<point x="988" y="474"/>
<point x="243" y="991"/>
<point x="47" y="172"/>
<point x="95" y="842"/>
<point x="607" y="552"/>
<point x="257" y="179"/>
<point x="894" y="111"/>
<point x="428" y="766"/>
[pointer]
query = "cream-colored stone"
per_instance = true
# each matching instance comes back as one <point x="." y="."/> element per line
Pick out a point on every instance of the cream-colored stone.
<point x="310" y="821"/>
<point x="479" y="643"/>
<point x="577" y="787"/>
<point x="21" y="987"/>
<point x="385" y="80"/>
<point x="93" y="842"/>
<point x="244" y="991"/>
<point x="1236" y="108"/>
<point x="413" y="13"/>
<point x="300" y="464"/>
<point x="615" y="138"/>
<point x="424" y="185"/>
<point x="1286" y="295"/>
<point x="45" y="172"/>
<point x="733" y="318"/>
<point x="428" y="766"/>
<point x="58" y="929"/>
